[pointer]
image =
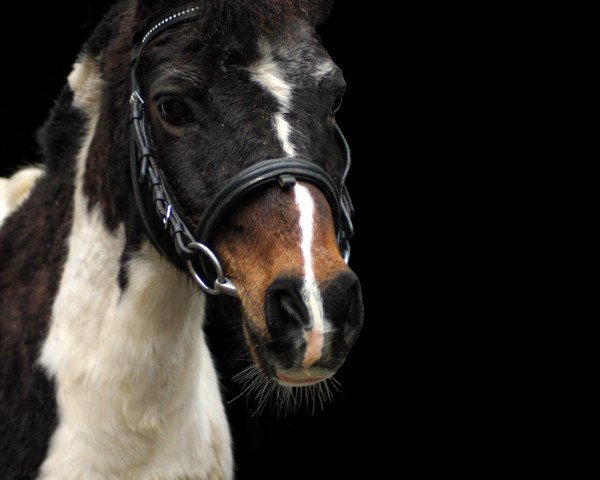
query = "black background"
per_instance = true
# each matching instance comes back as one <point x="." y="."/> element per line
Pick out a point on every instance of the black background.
<point x="38" y="45"/>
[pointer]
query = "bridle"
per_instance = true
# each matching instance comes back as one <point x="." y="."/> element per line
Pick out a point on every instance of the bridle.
<point x="190" y="246"/>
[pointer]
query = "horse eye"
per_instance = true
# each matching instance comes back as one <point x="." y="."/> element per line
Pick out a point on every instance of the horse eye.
<point x="175" y="112"/>
<point x="337" y="103"/>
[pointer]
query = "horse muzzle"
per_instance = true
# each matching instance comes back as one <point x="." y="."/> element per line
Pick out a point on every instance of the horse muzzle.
<point x="307" y="342"/>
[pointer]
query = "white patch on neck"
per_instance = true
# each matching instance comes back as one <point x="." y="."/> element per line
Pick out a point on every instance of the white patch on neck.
<point x="315" y="337"/>
<point x="16" y="189"/>
<point x="137" y="392"/>
<point x="269" y="75"/>
<point x="87" y="84"/>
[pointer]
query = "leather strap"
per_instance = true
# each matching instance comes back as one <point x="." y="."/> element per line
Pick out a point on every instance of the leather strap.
<point x="279" y="170"/>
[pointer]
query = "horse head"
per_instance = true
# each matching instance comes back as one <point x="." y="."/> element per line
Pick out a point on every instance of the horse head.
<point x="220" y="99"/>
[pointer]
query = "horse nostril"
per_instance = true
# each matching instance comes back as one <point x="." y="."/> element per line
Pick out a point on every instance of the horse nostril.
<point x="342" y="299"/>
<point x="285" y="309"/>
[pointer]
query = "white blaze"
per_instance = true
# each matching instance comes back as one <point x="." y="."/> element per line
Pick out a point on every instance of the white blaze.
<point x="269" y="75"/>
<point x="282" y="127"/>
<point x="314" y="337"/>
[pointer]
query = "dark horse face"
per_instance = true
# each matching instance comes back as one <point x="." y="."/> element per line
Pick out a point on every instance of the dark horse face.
<point x="222" y="96"/>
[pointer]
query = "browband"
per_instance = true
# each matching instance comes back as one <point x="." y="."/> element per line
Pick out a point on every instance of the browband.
<point x="167" y="22"/>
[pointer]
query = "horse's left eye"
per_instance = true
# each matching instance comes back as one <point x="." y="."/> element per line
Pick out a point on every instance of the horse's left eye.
<point x="175" y="112"/>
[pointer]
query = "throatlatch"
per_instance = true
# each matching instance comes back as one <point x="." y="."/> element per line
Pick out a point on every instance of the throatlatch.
<point x="191" y="248"/>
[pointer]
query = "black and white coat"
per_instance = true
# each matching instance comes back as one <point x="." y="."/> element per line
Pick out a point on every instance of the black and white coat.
<point x="105" y="372"/>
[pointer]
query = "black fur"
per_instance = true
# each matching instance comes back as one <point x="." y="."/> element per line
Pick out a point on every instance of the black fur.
<point x="57" y="138"/>
<point x="344" y="309"/>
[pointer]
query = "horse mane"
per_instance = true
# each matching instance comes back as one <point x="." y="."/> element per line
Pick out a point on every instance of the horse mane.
<point x="58" y="139"/>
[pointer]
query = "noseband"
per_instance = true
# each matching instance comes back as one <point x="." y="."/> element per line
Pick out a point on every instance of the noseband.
<point x="190" y="246"/>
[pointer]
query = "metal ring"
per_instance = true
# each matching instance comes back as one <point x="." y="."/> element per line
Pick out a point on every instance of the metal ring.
<point x="221" y="283"/>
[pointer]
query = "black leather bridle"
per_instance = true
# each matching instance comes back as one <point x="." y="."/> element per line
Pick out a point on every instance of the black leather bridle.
<point x="190" y="246"/>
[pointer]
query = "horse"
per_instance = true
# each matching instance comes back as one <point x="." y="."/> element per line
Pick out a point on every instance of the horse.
<point x="191" y="162"/>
